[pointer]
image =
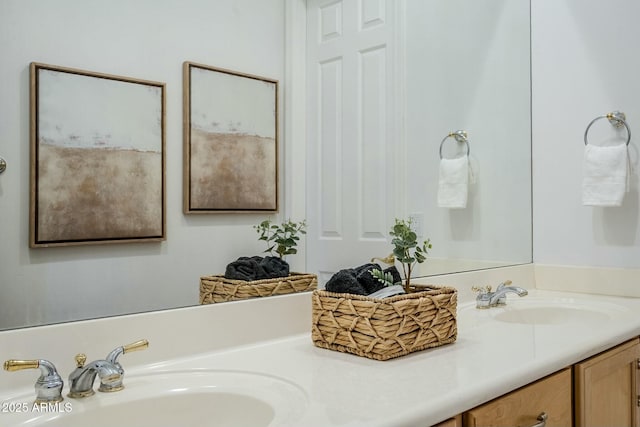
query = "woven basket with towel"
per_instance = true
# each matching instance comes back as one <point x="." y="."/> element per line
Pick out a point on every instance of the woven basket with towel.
<point x="253" y="277"/>
<point x="215" y="289"/>
<point x="385" y="328"/>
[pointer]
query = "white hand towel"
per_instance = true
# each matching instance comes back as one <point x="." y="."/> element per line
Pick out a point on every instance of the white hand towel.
<point x="605" y="175"/>
<point x="453" y="183"/>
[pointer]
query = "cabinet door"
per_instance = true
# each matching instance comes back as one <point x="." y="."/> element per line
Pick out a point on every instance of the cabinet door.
<point x="551" y="395"/>
<point x="606" y="388"/>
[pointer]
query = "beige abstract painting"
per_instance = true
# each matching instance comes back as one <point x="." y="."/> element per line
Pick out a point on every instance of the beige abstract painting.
<point x="231" y="146"/>
<point x="97" y="158"/>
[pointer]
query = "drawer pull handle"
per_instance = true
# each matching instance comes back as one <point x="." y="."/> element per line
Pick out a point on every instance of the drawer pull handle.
<point x="542" y="420"/>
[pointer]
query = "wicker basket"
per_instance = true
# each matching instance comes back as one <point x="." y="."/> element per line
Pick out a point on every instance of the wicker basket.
<point x="220" y="289"/>
<point x="385" y="328"/>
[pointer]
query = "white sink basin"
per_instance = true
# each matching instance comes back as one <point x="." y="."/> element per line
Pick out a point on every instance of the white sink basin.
<point x="540" y="310"/>
<point x="178" y="398"/>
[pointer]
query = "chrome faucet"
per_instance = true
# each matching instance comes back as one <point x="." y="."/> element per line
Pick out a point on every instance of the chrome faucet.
<point x="109" y="370"/>
<point x="486" y="298"/>
<point x="49" y="384"/>
<point x="82" y="378"/>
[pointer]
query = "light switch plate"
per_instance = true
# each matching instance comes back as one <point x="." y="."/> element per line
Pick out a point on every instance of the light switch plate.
<point x="417" y="223"/>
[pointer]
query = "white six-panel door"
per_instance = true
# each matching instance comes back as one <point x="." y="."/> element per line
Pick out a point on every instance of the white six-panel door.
<point x="354" y="145"/>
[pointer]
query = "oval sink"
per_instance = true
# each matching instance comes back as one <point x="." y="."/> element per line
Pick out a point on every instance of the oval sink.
<point x="185" y="410"/>
<point x="542" y="310"/>
<point x="179" y="398"/>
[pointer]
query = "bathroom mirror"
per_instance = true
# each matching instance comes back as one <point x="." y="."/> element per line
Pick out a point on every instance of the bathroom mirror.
<point x="452" y="79"/>
<point x="468" y="68"/>
<point x="150" y="40"/>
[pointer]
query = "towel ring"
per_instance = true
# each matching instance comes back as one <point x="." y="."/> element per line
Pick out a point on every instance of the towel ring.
<point x="616" y="118"/>
<point x="460" y="136"/>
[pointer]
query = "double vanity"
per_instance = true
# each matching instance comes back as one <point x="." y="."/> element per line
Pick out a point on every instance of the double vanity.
<point x="253" y="364"/>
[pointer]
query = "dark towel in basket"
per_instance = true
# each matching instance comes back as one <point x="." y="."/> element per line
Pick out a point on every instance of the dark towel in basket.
<point x="359" y="280"/>
<point x="257" y="268"/>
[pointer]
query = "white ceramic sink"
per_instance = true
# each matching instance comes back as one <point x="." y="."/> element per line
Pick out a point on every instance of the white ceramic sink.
<point x="541" y="310"/>
<point x="178" y="398"/>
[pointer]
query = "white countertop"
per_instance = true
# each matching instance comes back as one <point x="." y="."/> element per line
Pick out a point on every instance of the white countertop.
<point x="489" y="358"/>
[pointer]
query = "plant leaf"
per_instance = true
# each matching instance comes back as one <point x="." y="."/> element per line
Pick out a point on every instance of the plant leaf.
<point x="385" y="278"/>
<point x="406" y="247"/>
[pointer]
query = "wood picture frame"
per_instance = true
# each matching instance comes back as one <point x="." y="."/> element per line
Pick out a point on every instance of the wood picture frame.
<point x="230" y="132"/>
<point x="97" y="158"/>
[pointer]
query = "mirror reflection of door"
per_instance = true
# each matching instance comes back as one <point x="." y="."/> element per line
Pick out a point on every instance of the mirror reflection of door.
<point x="386" y="81"/>
<point x="352" y="195"/>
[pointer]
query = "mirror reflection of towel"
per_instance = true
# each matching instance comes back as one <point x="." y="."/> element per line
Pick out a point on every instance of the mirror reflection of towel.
<point x="606" y="171"/>
<point x="257" y="268"/>
<point x="453" y="183"/>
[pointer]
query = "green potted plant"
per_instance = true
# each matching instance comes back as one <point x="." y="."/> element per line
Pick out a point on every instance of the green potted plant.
<point x="408" y="251"/>
<point x="281" y="238"/>
<point x="406" y="248"/>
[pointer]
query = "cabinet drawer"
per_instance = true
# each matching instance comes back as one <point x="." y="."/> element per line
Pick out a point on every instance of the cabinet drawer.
<point x="551" y="395"/>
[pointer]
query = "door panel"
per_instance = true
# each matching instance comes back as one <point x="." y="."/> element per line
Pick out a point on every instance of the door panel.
<point x="351" y="160"/>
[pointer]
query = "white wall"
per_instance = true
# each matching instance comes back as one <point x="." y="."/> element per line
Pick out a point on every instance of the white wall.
<point x="586" y="63"/>
<point x="146" y="39"/>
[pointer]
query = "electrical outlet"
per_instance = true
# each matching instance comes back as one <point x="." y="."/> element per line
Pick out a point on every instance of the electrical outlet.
<point x="417" y="223"/>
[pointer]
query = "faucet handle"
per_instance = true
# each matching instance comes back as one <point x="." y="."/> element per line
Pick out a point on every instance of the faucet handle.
<point x="481" y="289"/>
<point x="81" y="359"/>
<point x="113" y="358"/>
<point x="505" y="283"/>
<point x="18" y="365"/>
<point x="49" y="384"/>
<point x="135" y="346"/>
<point x="484" y="295"/>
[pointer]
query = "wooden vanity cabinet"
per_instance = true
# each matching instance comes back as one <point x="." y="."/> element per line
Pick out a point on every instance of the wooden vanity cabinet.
<point x="607" y="388"/>
<point x="451" y="422"/>
<point x="606" y="392"/>
<point x="550" y="395"/>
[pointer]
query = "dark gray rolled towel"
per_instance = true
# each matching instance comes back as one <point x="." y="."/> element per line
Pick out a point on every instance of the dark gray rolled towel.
<point x="344" y="281"/>
<point x="273" y="267"/>
<point x="358" y="280"/>
<point x="366" y="279"/>
<point x="257" y="268"/>
<point x="244" y="268"/>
